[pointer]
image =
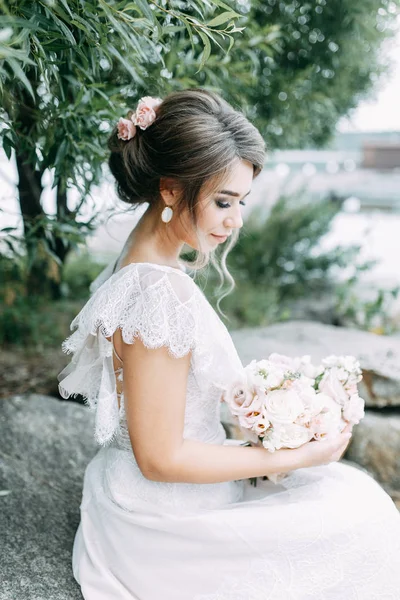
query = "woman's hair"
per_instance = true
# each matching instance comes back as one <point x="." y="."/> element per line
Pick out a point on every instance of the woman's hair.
<point x="196" y="136"/>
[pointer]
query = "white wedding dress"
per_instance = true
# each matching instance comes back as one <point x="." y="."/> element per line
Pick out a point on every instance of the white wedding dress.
<point x="323" y="533"/>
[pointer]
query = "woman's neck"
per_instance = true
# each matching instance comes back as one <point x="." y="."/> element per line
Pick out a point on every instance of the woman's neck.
<point x="148" y="242"/>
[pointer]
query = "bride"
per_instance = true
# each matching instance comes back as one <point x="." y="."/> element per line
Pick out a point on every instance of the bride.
<point x="167" y="510"/>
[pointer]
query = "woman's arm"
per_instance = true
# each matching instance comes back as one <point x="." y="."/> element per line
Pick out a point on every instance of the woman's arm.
<point x="155" y="397"/>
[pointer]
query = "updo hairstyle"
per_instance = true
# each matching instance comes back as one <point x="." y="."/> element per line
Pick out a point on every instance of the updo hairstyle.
<point x="196" y="136"/>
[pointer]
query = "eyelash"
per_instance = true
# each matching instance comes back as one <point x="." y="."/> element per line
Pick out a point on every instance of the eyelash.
<point x="227" y="205"/>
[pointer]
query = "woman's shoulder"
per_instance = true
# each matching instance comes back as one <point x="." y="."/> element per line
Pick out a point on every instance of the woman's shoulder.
<point x="149" y="276"/>
<point x="156" y="301"/>
<point x="143" y="277"/>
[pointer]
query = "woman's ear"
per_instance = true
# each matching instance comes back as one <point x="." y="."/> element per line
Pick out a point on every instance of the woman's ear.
<point x="170" y="190"/>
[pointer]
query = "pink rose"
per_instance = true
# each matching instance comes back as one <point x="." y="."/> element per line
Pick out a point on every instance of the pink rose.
<point x="126" y="129"/>
<point x="150" y="102"/>
<point x="241" y="400"/>
<point x="145" y="113"/>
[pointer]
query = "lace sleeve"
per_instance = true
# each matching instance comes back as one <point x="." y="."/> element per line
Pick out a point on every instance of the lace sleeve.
<point x="162" y="311"/>
<point x="159" y="306"/>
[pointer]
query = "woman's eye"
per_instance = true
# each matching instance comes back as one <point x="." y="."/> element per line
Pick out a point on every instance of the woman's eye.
<point x="222" y="204"/>
<point x="226" y="204"/>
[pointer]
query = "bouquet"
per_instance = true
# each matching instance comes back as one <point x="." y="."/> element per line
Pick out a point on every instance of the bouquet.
<point x="285" y="402"/>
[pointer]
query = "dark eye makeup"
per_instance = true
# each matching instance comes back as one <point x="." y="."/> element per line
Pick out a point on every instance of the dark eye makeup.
<point x="221" y="204"/>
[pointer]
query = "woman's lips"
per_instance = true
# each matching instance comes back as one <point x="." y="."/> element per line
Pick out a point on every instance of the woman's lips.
<point x="220" y="238"/>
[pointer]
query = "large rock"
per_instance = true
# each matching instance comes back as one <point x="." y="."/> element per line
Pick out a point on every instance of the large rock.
<point x="375" y="445"/>
<point x="379" y="355"/>
<point x="45" y="445"/>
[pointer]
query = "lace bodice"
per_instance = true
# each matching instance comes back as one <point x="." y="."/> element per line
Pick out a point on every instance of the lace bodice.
<point x="164" y="307"/>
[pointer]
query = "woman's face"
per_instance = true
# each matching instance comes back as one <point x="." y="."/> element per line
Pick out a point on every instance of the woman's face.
<point x="219" y="211"/>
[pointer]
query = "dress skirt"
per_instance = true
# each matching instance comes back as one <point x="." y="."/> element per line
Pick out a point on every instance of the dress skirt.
<point x="323" y="533"/>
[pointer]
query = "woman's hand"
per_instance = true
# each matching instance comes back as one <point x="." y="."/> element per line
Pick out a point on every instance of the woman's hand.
<point x="323" y="452"/>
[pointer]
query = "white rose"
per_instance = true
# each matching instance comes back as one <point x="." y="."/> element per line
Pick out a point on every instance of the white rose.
<point x="354" y="409"/>
<point x="292" y="435"/>
<point x="274" y="379"/>
<point x="283" y="406"/>
<point x="331" y="386"/>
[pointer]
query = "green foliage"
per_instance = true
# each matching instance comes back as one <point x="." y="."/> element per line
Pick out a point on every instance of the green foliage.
<point x="284" y="243"/>
<point x="12" y="299"/>
<point x="27" y="319"/>
<point x="30" y="320"/>
<point x="67" y="68"/>
<point x="298" y="66"/>
<point x="79" y="272"/>
<point x="41" y="268"/>
<point x="368" y="310"/>
<point x="20" y="314"/>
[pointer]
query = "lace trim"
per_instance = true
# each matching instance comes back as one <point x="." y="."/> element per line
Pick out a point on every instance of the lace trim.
<point x="163" y="310"/>
<point x="161" y="307"/>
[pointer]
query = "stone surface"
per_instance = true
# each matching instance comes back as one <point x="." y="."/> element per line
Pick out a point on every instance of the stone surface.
<point x="45" y="445"/>
<point x="375" y="445"/>
<point x="379" y="355"/>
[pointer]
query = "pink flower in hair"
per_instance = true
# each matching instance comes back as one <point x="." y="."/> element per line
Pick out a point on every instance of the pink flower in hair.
<point x="146" y="111"/>
<point x="144" y="116"/>
<point x="126" y="129"/>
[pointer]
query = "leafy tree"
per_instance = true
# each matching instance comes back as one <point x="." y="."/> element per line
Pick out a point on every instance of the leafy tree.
<point x="298" y="65"/>
<point x="69" y="68"/>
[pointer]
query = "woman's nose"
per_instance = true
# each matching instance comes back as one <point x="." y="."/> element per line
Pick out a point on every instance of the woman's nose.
<point x="235" y="220"/>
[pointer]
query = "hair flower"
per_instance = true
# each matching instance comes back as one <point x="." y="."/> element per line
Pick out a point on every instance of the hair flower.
<point x="126" y="129"/>
<point x="143" y="117"/>
<point x="145" y="112"/>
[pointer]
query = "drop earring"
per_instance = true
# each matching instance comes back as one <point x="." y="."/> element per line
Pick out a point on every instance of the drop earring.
<point x="166" y="214"/>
